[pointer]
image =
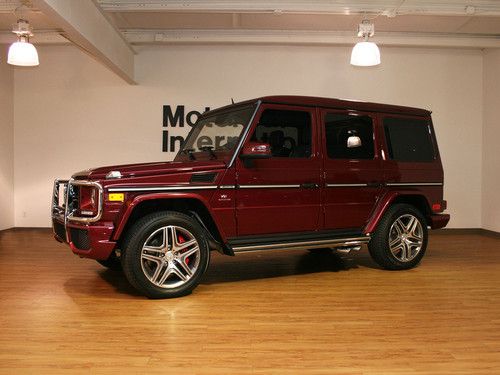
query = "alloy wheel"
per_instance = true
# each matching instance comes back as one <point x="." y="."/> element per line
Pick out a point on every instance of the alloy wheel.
<point x="406" y="238"/>
<point x="170" y="256"/>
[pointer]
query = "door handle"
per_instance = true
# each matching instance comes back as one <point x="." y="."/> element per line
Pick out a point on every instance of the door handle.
<point x="309" y="185"/>
<point x="374" y="184"/>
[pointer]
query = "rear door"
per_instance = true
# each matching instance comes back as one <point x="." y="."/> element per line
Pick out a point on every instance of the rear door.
<point x="281" y="194"/>
<point x="352" y="168"/>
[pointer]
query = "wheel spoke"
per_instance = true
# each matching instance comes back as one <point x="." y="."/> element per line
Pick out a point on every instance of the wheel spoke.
<point x="159" y="277"/>
<point x="404" y="251"/>
<point x="398" y="249"/>
<point x="395" y="242"/>
<point x="399" y="226"/>
<point x="415" y="240"/>
<point x="185" y="245"/>
<point x="180" y="274"/>
<point x="172" y="237"/>
<point x="154" y="258"/>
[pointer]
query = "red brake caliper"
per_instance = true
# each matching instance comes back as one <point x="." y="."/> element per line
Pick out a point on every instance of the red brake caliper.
<point x="181" y="239"/>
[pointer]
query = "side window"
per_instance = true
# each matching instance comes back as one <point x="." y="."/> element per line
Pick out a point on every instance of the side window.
<point x="408" y="139"/>
<point x="287" y="132"/>
<point x="349" y="136"/>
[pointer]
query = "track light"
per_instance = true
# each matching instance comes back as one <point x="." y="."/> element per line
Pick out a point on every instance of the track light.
<point x="22" y="52"/>
<point x="365" y="53"/>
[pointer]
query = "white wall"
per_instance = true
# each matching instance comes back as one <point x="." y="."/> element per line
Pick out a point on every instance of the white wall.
<point x="71" y="113"/>
<point x="491" y="138"/>
<point x="6" y="143"/>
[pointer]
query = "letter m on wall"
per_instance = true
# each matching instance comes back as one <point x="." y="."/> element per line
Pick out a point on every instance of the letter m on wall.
<point x="173" y="119"/>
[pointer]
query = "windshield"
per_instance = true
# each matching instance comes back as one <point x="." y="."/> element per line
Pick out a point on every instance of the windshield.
<point x="217" y="133"/>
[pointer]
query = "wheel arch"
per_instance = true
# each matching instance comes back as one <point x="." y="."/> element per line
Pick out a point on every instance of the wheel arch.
<point x="413" y="198"/>
<point x="190" y="204"/>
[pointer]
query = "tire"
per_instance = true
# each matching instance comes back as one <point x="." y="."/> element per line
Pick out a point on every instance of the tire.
<point x="400" y="240"/>
<point x="160" y="267"/>
<point x="113" y="262"/>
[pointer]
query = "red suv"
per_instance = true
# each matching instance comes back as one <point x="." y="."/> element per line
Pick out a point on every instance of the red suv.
<point x="280" y="172"/>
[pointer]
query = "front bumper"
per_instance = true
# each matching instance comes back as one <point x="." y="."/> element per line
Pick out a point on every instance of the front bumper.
<point x="85" y="235"/>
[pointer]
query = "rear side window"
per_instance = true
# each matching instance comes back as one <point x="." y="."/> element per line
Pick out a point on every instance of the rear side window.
<point x="408" y="139"/>
<point x="341" y="129"/>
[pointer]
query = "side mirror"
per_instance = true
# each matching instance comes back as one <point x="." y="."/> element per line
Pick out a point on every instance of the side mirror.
<point x="353" y="141"/>
<point x="255" y="150"/>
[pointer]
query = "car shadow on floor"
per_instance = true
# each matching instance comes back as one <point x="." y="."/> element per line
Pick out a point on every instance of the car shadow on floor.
<point x="278" y="264"/>
<point x="259" y="265"/>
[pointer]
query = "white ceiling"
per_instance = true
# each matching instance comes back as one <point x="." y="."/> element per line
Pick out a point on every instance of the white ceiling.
<point x="160" y="21"/>
<point x="109" y="29"/>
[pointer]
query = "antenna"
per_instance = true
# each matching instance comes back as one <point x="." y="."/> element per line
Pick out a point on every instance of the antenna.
<point x="232" y="101"/>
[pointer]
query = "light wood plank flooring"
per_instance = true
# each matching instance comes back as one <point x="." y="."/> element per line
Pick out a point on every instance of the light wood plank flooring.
<point x="262" y="313"/>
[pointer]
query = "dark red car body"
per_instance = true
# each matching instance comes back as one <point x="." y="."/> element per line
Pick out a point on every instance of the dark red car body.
<point x="300" y="197"/>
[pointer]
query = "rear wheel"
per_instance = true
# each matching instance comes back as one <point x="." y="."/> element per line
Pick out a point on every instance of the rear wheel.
<point x="400" y="240"/>
<point x="165" y="255"/>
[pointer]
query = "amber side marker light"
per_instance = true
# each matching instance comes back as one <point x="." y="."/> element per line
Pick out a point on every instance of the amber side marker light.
<point x="116" y="197"/>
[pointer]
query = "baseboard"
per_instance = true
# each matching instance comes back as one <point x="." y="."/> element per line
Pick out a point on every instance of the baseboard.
<point x="475" y="231"/>
<point x="20" y="229"/>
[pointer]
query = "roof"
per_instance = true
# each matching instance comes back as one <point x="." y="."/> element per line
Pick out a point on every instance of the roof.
<point x="313" y="101"/>
<point x="343" y="104"/>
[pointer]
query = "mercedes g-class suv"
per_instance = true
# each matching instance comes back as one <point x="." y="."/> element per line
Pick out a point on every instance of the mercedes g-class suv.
<point x="280" y="172"/>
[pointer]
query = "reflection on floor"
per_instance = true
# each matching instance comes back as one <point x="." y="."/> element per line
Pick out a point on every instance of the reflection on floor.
<point x="279" y="312"/>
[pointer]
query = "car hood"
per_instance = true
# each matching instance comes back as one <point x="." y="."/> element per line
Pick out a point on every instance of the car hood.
<point x="150" y="169"/>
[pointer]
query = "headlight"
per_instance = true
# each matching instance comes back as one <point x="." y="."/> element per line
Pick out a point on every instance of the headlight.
<point x="88" y="201"/>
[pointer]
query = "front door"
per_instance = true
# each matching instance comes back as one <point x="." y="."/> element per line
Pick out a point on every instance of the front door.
<point x="280" y="194"/>
<point x="353" y="177"/>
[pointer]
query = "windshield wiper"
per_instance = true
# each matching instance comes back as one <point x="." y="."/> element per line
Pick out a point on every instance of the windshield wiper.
<point x="189" y="151"/>
<point x="210" y="150"/>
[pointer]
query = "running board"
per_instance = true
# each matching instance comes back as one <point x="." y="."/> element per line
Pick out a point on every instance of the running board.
<point x="303" y="245"/>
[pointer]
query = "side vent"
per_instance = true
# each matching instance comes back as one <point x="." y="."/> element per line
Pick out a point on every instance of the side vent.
<point x="203" y="177"/>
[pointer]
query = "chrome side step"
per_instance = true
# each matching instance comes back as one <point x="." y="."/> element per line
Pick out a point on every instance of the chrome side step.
<point x="346" y="243"/>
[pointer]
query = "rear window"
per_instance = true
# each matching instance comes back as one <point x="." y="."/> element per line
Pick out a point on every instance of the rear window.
<point x="408" y="139"/>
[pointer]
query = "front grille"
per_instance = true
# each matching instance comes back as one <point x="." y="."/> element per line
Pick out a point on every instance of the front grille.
<point x="59" y="230"/>
<point x="80" y="238"/>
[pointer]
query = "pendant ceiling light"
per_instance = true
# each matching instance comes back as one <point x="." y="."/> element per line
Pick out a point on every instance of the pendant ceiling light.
<point x="22" y="52"/>
<point x="365" y="53"/>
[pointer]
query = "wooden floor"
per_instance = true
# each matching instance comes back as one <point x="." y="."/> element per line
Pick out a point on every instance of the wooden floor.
<point x="283" y="312"/>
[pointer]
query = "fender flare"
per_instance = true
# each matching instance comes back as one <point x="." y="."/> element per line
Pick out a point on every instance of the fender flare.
<point x="131" y="205"/>
<point x="384" y="203"/>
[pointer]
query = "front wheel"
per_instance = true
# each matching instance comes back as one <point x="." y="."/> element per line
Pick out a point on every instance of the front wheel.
<point x="400" y="240"/>
<point x="165" y="255"/>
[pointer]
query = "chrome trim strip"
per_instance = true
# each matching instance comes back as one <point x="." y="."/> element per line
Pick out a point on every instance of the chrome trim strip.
<point x="268" y="186"/>
<point x="355" y="241"/>
<point x="346" y="185"/>
<point x="161" y="188"/>
<point x="244" y="135"/>
<point x="414" y="184"/>
<point x="227" y="187"/>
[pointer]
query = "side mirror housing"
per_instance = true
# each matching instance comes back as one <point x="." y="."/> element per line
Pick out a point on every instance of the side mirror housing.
<point x="255" y="150"/>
